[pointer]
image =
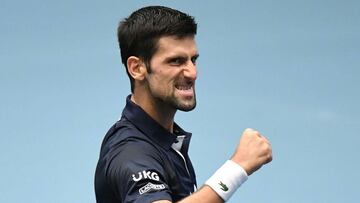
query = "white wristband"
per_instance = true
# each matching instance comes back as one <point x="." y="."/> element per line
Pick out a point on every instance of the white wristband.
<point x="227" y="179"/>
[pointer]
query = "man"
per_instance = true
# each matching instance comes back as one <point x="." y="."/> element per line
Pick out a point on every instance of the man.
<point x="144" y="156"/>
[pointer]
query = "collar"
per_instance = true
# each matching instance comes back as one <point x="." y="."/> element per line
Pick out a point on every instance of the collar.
<point x="152" y="129"/>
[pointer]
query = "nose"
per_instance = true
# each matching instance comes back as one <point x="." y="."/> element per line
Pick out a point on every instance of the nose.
<point x="190" y="71"/>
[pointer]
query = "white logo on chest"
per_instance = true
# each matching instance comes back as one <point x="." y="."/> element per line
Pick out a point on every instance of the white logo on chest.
<point x="145" y="175"/>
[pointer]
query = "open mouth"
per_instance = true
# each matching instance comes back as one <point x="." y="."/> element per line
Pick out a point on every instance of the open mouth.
<point x="185" y="89"/>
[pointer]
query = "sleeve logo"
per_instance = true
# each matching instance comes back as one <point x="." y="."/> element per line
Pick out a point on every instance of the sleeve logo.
<point x="149" y="187"/>
<point x="145" y="175"/>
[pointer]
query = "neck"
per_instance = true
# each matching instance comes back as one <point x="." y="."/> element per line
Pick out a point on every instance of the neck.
<point x="157" y="111"/>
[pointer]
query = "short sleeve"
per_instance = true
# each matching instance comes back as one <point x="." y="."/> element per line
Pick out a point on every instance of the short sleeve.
<point x="136" y="173"/>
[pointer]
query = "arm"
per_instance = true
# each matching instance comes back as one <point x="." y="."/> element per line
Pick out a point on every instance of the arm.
<point x="253" y="151"/>
<point x="204" y="195"/>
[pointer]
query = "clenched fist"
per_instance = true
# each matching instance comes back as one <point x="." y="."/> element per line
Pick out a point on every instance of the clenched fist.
<point x="253" y="151"/>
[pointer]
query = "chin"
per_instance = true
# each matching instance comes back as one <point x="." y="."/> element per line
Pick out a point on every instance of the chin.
<point x="187" y="108"/>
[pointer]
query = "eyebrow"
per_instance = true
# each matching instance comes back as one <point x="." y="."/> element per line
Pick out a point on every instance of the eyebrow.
<point x="181" y="56"/>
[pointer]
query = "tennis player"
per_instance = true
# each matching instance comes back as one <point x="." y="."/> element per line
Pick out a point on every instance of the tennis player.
<point x="144" y="156"/>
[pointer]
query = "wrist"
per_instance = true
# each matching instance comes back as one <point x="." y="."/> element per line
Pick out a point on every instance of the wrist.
<point x="244" y="165"/>
<point x="227" y="179"/>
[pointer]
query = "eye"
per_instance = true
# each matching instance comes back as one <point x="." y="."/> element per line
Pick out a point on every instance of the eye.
<point x="194" y="59"/>
<point x="177" y="61"/>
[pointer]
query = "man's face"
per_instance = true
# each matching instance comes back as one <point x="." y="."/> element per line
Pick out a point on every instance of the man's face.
<point x="171" y="82"/>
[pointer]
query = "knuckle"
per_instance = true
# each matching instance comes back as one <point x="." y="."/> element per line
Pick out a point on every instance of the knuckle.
<point x="265" y="144"/>
<point x="269" y="149"/>
<point x="249" y="129"/>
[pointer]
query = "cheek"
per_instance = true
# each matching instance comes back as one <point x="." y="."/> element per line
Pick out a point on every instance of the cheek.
<point x="158" y="82"/>
<point x="165" y="77"/>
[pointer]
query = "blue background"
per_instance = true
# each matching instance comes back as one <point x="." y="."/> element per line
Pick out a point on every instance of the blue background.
<point x="289" y="69"/>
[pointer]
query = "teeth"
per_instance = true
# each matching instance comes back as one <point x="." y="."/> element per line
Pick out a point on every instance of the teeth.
<point x="187" y="87"/>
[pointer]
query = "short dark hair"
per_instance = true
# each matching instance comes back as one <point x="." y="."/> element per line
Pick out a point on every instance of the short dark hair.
<point x="139" y="33"/>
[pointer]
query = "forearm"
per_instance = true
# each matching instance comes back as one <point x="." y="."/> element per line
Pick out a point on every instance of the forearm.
<point x="203" y="195"/>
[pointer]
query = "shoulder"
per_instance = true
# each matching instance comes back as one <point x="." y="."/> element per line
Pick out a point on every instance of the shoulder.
<point x="125" y="140"/>
<point x="134" y="151"/>
<point x="127" y="151"/>
<point x="122" y="134"/>
<point x="132" y="166"/>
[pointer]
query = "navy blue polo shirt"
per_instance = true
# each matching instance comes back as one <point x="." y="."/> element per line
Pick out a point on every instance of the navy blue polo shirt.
<point x="140" y="161"/>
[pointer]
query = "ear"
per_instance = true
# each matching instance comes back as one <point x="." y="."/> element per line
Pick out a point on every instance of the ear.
<point x="136" y="68"/>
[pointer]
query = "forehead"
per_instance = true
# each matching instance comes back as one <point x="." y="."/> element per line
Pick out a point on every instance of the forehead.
<point x="172" y="45"/>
